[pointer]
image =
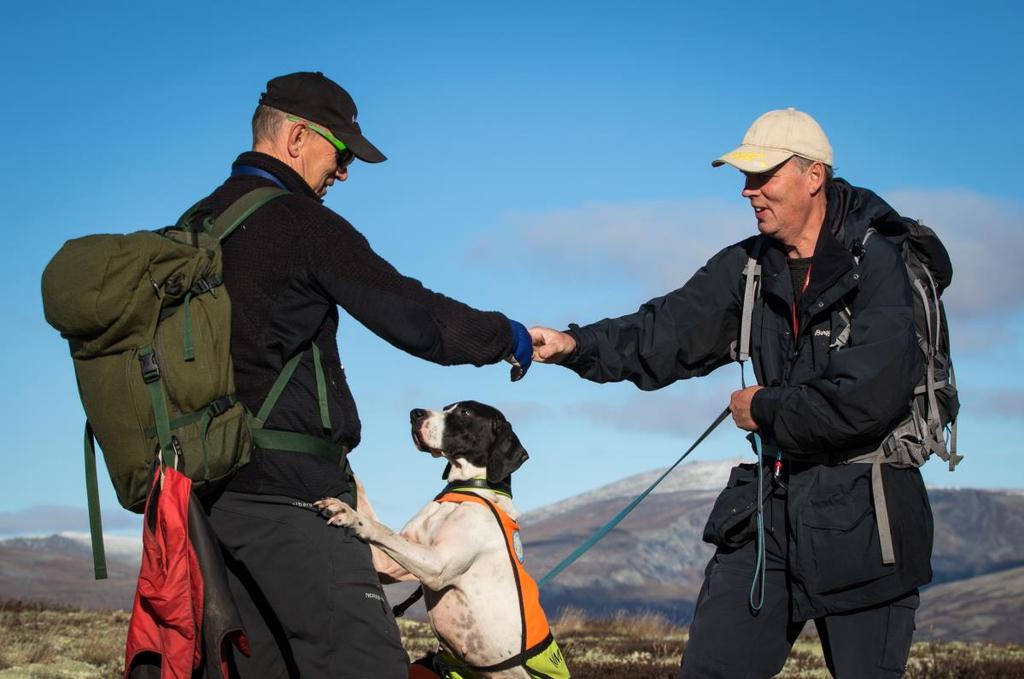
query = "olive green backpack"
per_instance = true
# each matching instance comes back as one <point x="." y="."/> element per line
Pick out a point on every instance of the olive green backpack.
<point x="148" y="320"/>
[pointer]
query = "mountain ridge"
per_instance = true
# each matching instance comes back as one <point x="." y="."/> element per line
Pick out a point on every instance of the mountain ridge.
<point x="652" y="561"/>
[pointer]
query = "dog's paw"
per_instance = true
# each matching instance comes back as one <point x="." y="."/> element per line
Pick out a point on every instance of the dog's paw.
<point x="339" y="513"/>
<point x="329" y="506"/>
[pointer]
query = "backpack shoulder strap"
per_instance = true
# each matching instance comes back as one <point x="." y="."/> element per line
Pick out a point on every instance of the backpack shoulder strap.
<point x="752" y="275"/>
<point x="841" y="338"/>
<point x="239" y="211"/>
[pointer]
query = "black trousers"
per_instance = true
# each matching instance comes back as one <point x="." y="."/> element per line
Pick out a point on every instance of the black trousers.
<point x="310" y="599"/>
<point x="728" y="640"/>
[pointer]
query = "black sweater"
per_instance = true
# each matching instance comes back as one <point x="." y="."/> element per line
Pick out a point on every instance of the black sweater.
<point x="287" y="269"/>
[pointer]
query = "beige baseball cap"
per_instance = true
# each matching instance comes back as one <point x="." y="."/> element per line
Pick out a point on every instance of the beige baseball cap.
<point x="774" y="138"/>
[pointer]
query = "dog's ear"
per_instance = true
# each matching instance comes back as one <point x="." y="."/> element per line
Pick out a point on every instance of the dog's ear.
<point x="507" y="454"/>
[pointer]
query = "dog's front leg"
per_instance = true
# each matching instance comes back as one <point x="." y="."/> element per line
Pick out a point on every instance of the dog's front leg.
<point x="435" y="565"/>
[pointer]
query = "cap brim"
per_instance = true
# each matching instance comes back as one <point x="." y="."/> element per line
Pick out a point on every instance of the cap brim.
<point x="362" y="148"/>
<point x="753" y="159"/>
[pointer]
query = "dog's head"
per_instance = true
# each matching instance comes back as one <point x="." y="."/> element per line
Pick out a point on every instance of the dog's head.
<point x="473" y="431"/>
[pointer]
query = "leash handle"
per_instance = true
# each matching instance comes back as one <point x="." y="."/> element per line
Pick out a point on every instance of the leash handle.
<point x="757" y="583"/>
<point x="607" y="528"/>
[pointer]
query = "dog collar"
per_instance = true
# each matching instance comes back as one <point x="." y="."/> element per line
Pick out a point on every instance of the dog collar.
<point x="502" y="488"/>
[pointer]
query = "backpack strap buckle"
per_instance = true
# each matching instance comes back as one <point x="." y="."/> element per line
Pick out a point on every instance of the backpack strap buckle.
<point x="206" y="284"/>
<point x="221" y="405"/>
<point x="150" y="369"/>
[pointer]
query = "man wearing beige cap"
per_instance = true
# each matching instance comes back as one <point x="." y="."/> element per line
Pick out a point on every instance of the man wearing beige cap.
<point x="833" y="347"/>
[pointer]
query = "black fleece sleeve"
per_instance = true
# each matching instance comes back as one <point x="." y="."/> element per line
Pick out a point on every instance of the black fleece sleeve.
<point x="866" y="387"/>
<point x="397" y="308"/>
<point x="685" y="333"/>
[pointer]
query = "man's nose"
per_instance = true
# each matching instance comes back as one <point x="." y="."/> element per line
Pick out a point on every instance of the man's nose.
<point x="342" y="174"/>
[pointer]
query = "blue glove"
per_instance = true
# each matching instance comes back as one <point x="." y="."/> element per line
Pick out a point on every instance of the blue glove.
<point x="522" y="351"/>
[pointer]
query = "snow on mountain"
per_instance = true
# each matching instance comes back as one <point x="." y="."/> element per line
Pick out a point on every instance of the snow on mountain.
<point x="690" y="476"/>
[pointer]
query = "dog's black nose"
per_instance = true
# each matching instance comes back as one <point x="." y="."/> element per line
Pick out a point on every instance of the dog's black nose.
<point x="417" y="414"/>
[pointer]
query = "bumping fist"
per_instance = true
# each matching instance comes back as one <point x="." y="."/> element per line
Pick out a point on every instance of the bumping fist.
<point x="551" y="346"/>
<point x="522" y="352"/>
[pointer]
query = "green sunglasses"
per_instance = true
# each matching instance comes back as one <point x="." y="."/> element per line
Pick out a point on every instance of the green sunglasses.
<point x="344" y="153"/>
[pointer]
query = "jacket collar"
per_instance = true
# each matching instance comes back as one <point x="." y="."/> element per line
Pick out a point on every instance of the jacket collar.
<point x="832" y="259"/>
<point x="289" y="177"/>
<point x="849" y="213"/>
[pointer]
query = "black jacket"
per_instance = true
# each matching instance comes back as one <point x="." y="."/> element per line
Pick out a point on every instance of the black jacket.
<point x="287" y="269"/>
<point x="819" y="405"/>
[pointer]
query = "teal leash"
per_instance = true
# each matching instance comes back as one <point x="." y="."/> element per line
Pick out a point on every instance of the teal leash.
<point x="607" y="528"/>
<point x="760" y="563"/>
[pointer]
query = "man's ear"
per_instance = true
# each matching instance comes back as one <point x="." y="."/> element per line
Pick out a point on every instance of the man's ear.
<point x="507" y="454"/>
<point x="297" y="133"/>
<point x="816" y="177"/>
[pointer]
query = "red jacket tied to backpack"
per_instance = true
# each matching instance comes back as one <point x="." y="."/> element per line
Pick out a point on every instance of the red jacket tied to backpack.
<point x="168" y="611"/>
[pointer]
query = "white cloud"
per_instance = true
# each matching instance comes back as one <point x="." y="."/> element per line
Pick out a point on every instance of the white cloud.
<point x="660" y="244"/>
<point x="667" y="414"/>
<point x="49" y="519"/>
<point x="984" y="237"/>
<point x="664" y="243"/>
<point x="686" y="410"/>
<point x="997" y="404"/>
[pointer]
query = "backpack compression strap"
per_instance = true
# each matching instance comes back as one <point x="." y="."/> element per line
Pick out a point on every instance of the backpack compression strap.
<point x="294" y="441"/>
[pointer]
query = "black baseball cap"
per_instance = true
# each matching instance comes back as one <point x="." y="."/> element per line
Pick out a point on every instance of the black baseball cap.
<point x="320" y="100"/>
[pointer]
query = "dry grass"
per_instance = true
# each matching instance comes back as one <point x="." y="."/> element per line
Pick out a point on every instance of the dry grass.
<point x="43" y="642"/>
<point x="648" y="646"/>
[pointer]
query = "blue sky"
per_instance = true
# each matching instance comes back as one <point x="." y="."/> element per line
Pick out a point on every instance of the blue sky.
<point x="549" y="160"/>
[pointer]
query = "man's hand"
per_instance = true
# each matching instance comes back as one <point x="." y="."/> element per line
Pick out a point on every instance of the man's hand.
<point x="551" y="346"/>
<point x="739" y="404"/>
<point x="522" y="352"/>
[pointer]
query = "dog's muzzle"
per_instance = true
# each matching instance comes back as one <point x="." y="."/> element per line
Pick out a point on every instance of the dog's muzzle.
<point x="416" y="418"/>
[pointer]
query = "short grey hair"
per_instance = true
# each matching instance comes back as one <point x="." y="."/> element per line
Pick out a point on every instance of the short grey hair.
<point x="805" y="163"/>
<point x="266" y="121"/>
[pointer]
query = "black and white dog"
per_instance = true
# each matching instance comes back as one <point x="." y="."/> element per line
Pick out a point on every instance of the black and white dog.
<point x="464" y="558"/>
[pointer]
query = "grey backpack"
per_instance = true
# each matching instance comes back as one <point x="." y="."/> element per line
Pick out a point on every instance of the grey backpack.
<point x="930" y="425"/>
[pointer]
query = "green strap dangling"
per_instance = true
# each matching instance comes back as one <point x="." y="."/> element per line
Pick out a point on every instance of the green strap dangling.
<point x="99" y="558"/>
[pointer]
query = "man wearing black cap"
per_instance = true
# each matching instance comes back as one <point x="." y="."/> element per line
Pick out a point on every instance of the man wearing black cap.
<point x="311" y="601"/>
